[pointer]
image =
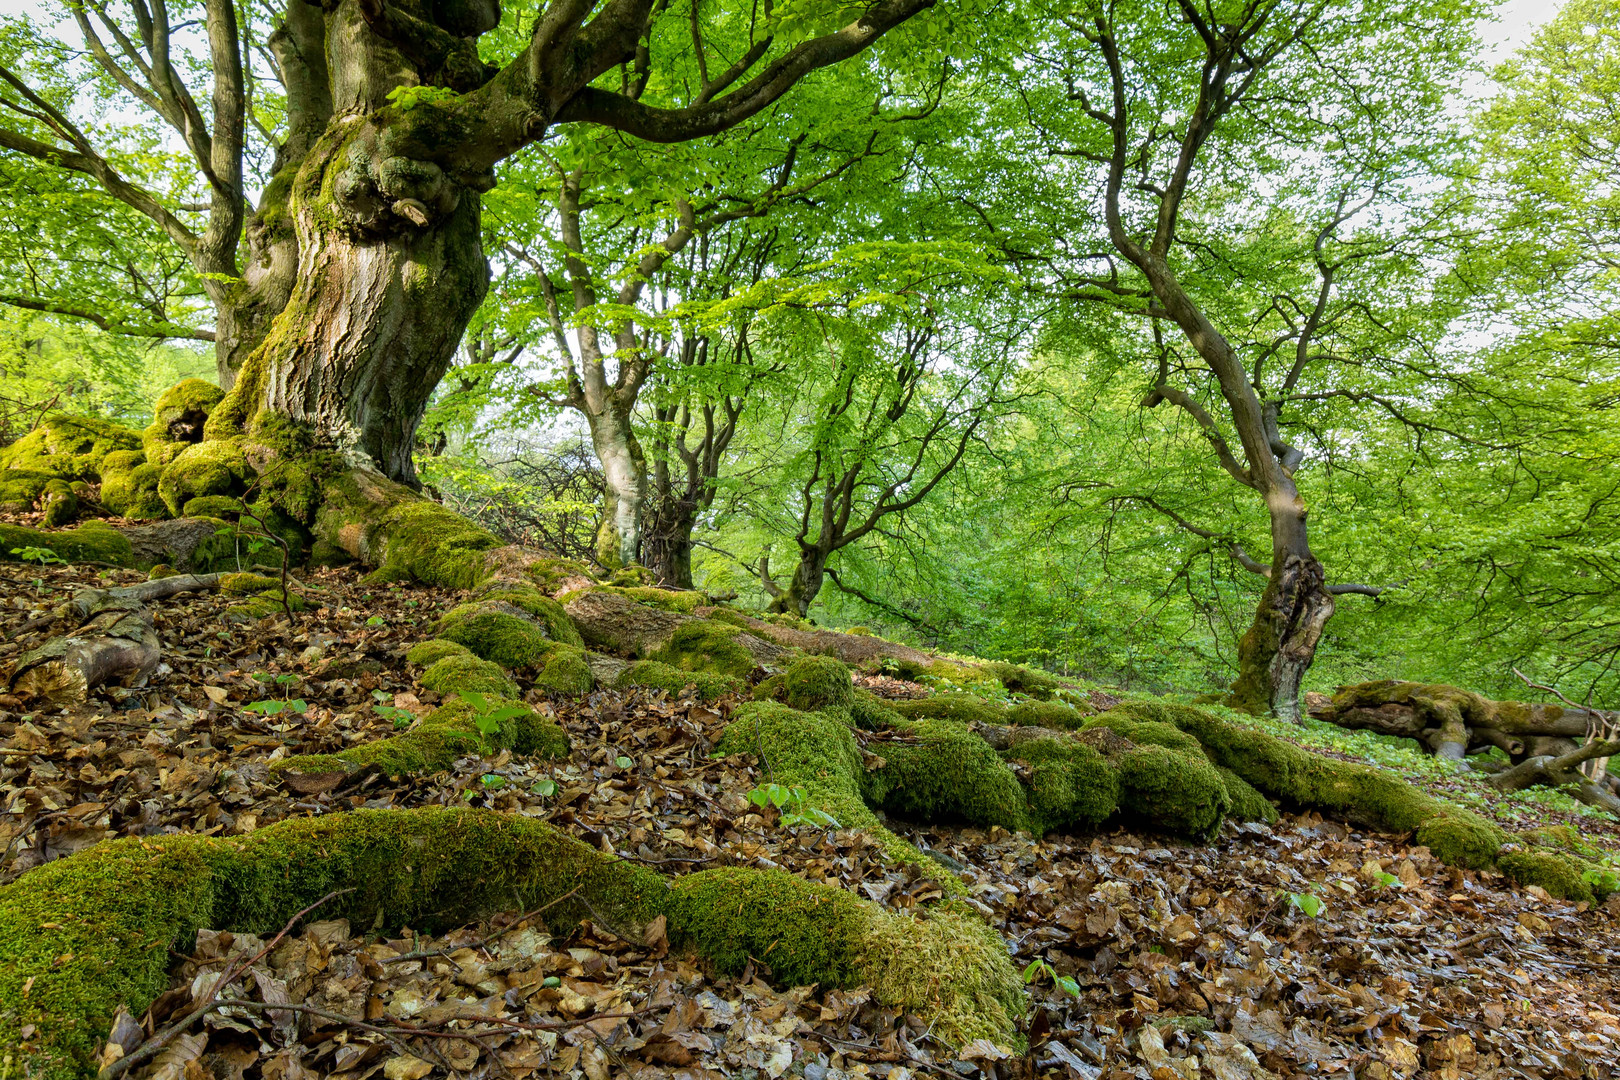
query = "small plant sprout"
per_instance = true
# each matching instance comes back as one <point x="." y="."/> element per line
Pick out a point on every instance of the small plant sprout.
<point x="376" y="620"/>
<point x="492" y="782"/>
<point x="1310" y="905"/>
<point x="1039" y="969"/>
<point x="402" y="718"/>
<point x="624" y="762"/>
<point x="544" y="788"/>
<point x="488" y="717"/>
<point x="790" y="801"/>
<point x="270" y="706"/>
<point x="40" y="555"/>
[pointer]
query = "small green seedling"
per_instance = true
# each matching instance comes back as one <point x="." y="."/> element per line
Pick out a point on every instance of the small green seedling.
<point x="272" y="707"/>
<point x="544" y="788"/>
<point x="402" y="718"/>
<point x="488" y="717"/>
<point x="790" y="801"/>
<point x="492" y="781"/>
<point x="1039" y="968"/>
<point x="1382" y="880"/>
<point x="1310" y="905"/>
<point x="624" y="762"/>
<point x="376" y="620"/>
<point x="41" y="555"/>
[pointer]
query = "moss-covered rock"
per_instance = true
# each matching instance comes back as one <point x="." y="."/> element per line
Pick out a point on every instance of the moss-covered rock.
<point x="405" y="536"/>
<point x="262" y="604"/>
<point x="771" y="688"/>
<point x="566" y="672"/>
<point x="430" y="652"/>
<point x="246" y="584"/>
<point x="68" y="447"/>
<point x="180" y="412"/>
<point x="1047" y="714"/>
<point x="947" y="966"/>
<point x="1247" y="802"/>
<point x="948" y="774"/>
<point x="217" y="467"/>
<point x="60" y="504"/>
<point x="1561" y="875"/>
<point x="818" y="682"/>
<point x="132" y="491"/>
<point x="93" y="541"/>
<point x="964" y="708"/>
<point x="1023" y="680"/>
<point x="682" y="601"/>
<point x="436" y="740"/>
<point x="656" y="675"/>
<point x="870" y="712"/>
<point x="467" y="674"/>
<point x="552" y="574"/>
<point x="213" y="506"/>
<point x="1174" y="790"/>
<point x="705" y="645"/>
<point x="1460" y="837"/>
<point x="20" y="489"/>
<point x="1070" y="784"/>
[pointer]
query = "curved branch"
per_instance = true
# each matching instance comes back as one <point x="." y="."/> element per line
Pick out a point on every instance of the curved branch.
<point x="161" y="331"/>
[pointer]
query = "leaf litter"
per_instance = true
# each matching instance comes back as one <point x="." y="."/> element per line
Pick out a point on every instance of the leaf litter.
<point x="1156" y="962"/>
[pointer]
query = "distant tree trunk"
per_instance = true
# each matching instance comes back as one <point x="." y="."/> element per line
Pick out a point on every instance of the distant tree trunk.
<point x="808" y="575"/>
<point x="624" y="475"/>
<point x="683" y="476"/>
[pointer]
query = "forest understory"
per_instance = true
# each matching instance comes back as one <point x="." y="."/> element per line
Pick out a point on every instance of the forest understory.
<point x="1186" y="960"/>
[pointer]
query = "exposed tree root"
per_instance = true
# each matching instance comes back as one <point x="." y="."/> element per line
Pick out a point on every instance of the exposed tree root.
<point x="84" y="934"/>
<point x="113" y="639"/>
<point x="1564" y="772"/>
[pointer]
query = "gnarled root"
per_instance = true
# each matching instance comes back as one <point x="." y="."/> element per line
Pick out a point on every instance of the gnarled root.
<point x="1563" y="772"/>
<point x="114" y="639"/>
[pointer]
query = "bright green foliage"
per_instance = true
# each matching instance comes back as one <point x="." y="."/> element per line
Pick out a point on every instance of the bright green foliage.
<point x="438" y="739"/>
<point x="818" y="682"/>
<point x="465" y="673"/>
<point x="656" y="675"/>
<point x="705" y="645"/>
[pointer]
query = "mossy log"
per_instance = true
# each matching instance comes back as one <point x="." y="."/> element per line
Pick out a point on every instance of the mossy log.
<point x="113" y="639"/>
<point x="82" y="935"/>
<point x="612" y="620"/>
<point x="1452" y="721"/>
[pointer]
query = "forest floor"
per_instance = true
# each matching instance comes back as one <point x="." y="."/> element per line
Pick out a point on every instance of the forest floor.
<point x="1187" y="961"/>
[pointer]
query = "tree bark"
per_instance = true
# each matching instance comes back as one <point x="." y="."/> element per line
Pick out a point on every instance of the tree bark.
<point x="1278" y="648"/>
<point x="624" y="475"/>
<point x="808" y="575"/>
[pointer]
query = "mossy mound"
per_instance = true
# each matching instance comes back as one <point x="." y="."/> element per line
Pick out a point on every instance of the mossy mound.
<point x="551" y="574"/>
<point x="247" y="584"/>
<point x="60" y="504"/>
<point x="467" y="674"/>
<point x="20" y="489"/>
<point x="260" y="605"/>
<point x="682" y="601"/>
<point x="427" y="653"/>
<point x="182" y="410"/>
<point x="217" y="467"/>
<point x="129" y="486"/>
<point x="404" y="535"/>
<point x="705" y="645"/>
<point x="68" y="447"/>
<point x="213" y="506"/>
<point x="948" y="774"/>
<point x="436" y="740"/>
<point x="818" y="682"/>
<point x="1175" y="790"/>
<point x="81" y="935"/>
<point x="499" y="632"/>
<point x="964" y="708"/>
<point x="1561" y="875"/>
<point x="566" y="672"/>
<point x="93" y="541"/>
<point x="1023" y="680"/>
<point x="1070" y="786"/>
<point x="947" y="967"/>
<point x="1248" y="804"/>
<point x="771" y="688"/>
<point x="1047" y="714"/>
<point x="656" y="675"/>
<point x="870" y="712"/>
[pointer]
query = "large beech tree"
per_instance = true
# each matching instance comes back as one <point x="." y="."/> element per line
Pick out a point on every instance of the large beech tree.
<point x="342" y="292"/>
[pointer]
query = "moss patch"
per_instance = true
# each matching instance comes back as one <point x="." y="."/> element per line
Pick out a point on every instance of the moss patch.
<point x="566" y="673"/>
<point x="965" y="708"/>
<point x="69" y="447"/>
<point x="209" y="468"/>
<point x="683" y="601"/>
<point x="247" y="584"/>
<point x="436" y="740"/>
<point x="1047" y="714"/>
<point x="91" y="542"/>
<point x="656" y="675"/>
<point x="705" y="645"/>
<point x="1070" y="785"/>
<point x="466" y="674"/>
<point x="427" y="653"/>
<point x="948" y="774"/>
<point x="818" y="682"/>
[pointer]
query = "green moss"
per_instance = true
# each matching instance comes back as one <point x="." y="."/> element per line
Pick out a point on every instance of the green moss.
<point x="60" y="503"/>
<point x="660" y="676"/>
<point x="1175" y="790"/>
<point x="948" y="968"/>
<point x="1023" y="680"/>
<point x="1146" y="732"/>
<point x="870" y="712"/>
<point x="263" y="604"/>
<point x="772" y="688"/>
<point x="216" y="467"/>
<point x="133" y="492"/>
<point x="632" y="576"/>
<point x="498" y="632"/>
<point x="1558" y="873"/>
<point x="467" y="675"/>
<point x="406" y="537"/>
<point x="703" y="645"/>
<point x="860" y="631"/>
<point x="732" y="617"/>
<point x="20" y="489"/>
<point x="551" y="574"/>
<point x="566" y="673"/>
<point x="435" y="742"/>
<point x="68" y="447"/>
<point x="1247" y="802"/>
<point x="683" y="601"/>
<point x="214" y="506"/>
<point x="1047" y="714"/>
<point x="81" y="935"/>
<point x="948" y="774"/>
<point x="427" y="653"/>
<point x="1461" y="838"/>
<point x="247" y="584"/>
<point x="965" y="708"/>
<point x="91" y="542"/>
<point x="1070" y="784"/>
<point x="188" y="402"/>
<point x="818" y="682"/>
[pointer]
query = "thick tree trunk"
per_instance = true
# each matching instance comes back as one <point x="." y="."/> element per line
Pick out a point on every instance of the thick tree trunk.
<point x="808" y="576"/>
<point x="667" y="544"/>
<point x="624" y="473"/>
<point x="1277" y="651"/>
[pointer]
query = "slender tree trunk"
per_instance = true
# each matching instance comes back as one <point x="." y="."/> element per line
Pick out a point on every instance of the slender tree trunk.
<point x="1277" y="651"/>
<point x="624" y="474"/>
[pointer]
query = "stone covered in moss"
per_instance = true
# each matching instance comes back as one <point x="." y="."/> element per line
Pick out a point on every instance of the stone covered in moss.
<point x="870" y="712"/>
<point x="656" y="675"/>
<point x="260" y="605"/>
<point x="94" y="541"/>
<point x="1561" y="875"/>
<point x="216" y="467"/>
<point x="180" y="412"/>
<point x="515" y="626"/>
<point x="1023" y="680"/>
<point x="1070" y="784"/>
<point x="964" y="708"/>
<point x="948" y="774"/>
<point x="818" y="682"/>
<point x="436" y="740"/>
<point x="60" y="504"/>
<point x="566" y="672"/>
<point x="132" y="490"/>
<point x="247" y="584"/>
<point x="467" y="674"/>
<point x="1175" y="790"/>
<point x="213" y="506"/>
<point x="427" y="653"/>
<point x="68" y="447"/>
<point x="550" y="574"/>
<point x="20" y="489"/>
<point x="1460" y="837"/>
<point x="1047" y="714"/>
<point x="705" y="645"/>
<point x="682" y="601"/>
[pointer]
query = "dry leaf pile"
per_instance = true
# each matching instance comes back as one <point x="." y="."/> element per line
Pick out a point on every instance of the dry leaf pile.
<point x="1186" y="962"/>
